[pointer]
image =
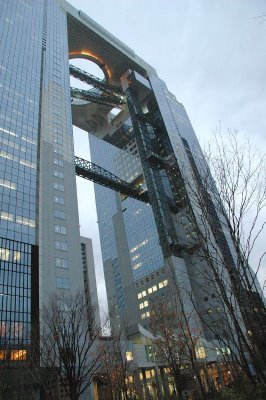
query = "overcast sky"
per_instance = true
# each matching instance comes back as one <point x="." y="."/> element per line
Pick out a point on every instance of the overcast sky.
<point x="211" y="54"/>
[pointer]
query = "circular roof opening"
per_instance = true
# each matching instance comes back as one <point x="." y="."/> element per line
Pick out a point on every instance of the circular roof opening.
<point x="87" y="66"/>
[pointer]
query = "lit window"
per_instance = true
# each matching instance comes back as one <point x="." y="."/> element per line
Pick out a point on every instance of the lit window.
<point x="136" y="266"/>
<point x="160" y="285"/>
<point x="6" y="216"/>
<point x="7" y="184"/>
<point x="17" y="256"/>
<point x="25" y="221"/>
<point x="8" y="131"/>
<point x="148" y="314"/>
<point x="144" y="293"/>
<point x="146" y="303"/>
<point x="13" y="157"/>
<point x="129" y="356"/>
<point x="18" y="355"/>
<point x="200" y="352"/>
<point x="150" y="290"/>
<point x="4" y="254"/>
<point x="154" y="288"/>
<point x="165" y="282"/>
<point x="139" y="295"/>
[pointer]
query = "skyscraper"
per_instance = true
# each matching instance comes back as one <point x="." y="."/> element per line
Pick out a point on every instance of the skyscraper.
<point x="149" y="146"/>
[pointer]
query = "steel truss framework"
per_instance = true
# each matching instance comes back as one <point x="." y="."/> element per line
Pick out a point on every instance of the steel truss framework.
<point x="103" y="92"/>
<point x="93" y="172"/>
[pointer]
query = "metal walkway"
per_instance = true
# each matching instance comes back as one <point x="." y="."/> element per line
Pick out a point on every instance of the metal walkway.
<point x="94" y="81"/>
<point x="95" y="96"/>
<point x="97" y="174"/>
<point x="102" y="92"/>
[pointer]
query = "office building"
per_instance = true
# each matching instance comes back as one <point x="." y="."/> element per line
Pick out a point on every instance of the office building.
<point x="89" y="277"/>
<point x="148" y="151"/>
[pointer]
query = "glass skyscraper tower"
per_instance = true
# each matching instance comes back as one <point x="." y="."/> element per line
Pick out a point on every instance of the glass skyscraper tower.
<point x="39" y="228"/>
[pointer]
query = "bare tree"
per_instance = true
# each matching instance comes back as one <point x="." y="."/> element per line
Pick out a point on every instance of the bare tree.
<point x="222" y="204"/>
<point x="118" y="365"/>
<point x="177" y="344"/>
<point x="69" y="344"/>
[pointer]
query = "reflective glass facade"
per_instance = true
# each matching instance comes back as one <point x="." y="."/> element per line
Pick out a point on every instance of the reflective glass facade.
<point x="141" y="232"/>
<point x="18" y="282"/>
<point x="38" y="202"/>
<point x="20" y="73"/>
<point x="20" y="79"/>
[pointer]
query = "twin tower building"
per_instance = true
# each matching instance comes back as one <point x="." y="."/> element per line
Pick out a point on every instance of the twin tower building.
<point x="145" y="159"/>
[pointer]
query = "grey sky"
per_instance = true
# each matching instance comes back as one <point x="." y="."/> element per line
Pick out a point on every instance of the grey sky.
<point x="211" y="54"/>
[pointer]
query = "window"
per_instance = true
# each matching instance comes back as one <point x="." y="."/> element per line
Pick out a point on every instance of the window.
<point x="58" y="186"/>
<point x="18" y="355"/>
<point x="60" y="229"/>
<point x="144" y="304"/>
<point x="129" y="356"/>
<point x="60" y="245"/>
<point x="25" y="221"/>
<point x="4" y="254"/>
<point x="58" y="174"/>
<point x="7" y="184"/>
<point x="61" y="262"/>
<point x="58" y="150"/>
<point x="62" y="283"/>
<point x="200" y="352"/>
<point x="16" y="256"/>
<point x="59" y="214"/>
<point x="59" y="200"/>
<point x="6" y="216"/>
<point x="136" y="266"/>
<point x="58" y="162"/>
<point x="57" y="139"/>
